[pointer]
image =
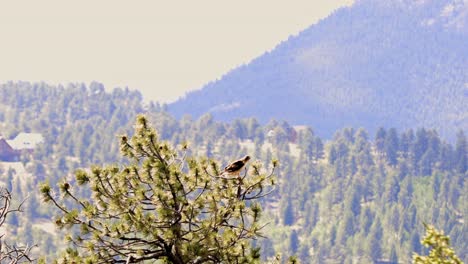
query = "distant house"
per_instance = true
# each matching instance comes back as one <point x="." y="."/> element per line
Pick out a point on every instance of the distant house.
<point x="26" y="141"/>
<point x="7" y="153"/>
<point x="11" y="150"/>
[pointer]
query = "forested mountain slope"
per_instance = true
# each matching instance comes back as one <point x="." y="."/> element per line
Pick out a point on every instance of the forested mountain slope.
<point x="359" y="196"/>
<point x="79" y="124"/>
<point x="402" y="64"/>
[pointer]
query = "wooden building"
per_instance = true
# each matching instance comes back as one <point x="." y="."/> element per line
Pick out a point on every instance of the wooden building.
<point x="11" y="150"/>
<point x="7" y="153"/>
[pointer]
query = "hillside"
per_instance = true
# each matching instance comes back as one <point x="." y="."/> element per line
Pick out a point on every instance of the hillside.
<point x="401" y="64"/>
<point x="354" y="198"/>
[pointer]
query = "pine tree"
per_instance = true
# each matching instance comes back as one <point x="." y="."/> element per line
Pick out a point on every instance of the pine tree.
<point x="288" y="214"/>
<point x="405" y="143"/>
<point x="415" y="242"/>
<point x="441" y="252"/>
<point x="380" y="139"/>
<point x="332" y="155"/>
<point x="267" y="248"/>
<point x="426" y="163"/>
<point x="419" y="147"/>
<point x="393" y="255"/>
<point x="294" y="242"/>
<point x="461" y="153"/>
<point x="353" y="201"/>
<point x="392" y="188"/>
<point x="318" y="148"/>
<point x="391" y="147"/>
<point x="161" y="206"/>
<point x="374" y="240"/>
<point x="365" y="220"/>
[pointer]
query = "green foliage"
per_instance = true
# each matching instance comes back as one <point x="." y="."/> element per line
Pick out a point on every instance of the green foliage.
<point x="294" y="242"/>
<point x="441" y="252"/>
<point x="336" y="197"/>
<point x="288" y="215"/>
<point x="393" y="255"/>
<point x="461" y="153"/>
<point x="162" y="205"/>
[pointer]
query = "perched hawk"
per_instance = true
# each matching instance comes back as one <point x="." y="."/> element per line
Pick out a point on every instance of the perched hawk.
<point x="236" y="166"/>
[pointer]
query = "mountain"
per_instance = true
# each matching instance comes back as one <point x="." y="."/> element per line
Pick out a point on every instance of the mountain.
<point x="400" y="64"/>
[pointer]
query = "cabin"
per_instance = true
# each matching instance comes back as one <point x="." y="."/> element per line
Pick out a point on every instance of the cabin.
<point x="26" y="141"/>
<point x="7" y="153"/>
<point x="11" y="150"/>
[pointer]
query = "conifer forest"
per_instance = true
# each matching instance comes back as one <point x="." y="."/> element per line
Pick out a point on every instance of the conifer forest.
<point x="120" y="180"/>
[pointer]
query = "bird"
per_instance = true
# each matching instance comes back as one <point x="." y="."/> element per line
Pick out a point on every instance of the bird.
<point x="234" y="168"/>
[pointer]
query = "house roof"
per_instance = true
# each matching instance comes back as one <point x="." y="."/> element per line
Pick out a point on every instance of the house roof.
<point x="26" y="141"/>
<point x="4" y="145"/>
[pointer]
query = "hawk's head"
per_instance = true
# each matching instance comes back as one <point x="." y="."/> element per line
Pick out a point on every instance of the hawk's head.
<point x="246" y="158"/>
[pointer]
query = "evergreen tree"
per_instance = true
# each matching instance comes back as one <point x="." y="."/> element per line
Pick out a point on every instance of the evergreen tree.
<point x="406" y="194"/>
<point x="415" y="243"/>
<point x="294" y="242"/>
<point x="461" y="153"/>
<point x="391" y="146"/>
<point x="374" y="240"/>
<point x="304" y="253"/>
<point x="288" y="215"/>
<point x="365" y="220"/>
<point x="446" y="157"/>
<point x="441" y="252"/>
<point x="353" y="201"/>
<point x="318" y="148"/>
<point x="346" y="228"/>
<point x="306" y="143"/>
<point x="333" y="236"/>
<point x="267" y="248"/>
<point x="420" y="147"/>
<point x="392" y="188"/>
<point x="380" y="139"/>
<point x="427" y="161"/>
<point x="393" y="255"/>
<point x="406" y="142"/>
<point x="332" y="155"/>
<point x="160" y="207"/>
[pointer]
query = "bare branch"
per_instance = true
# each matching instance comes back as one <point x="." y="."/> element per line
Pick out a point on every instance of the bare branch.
<point x="11" y="253"/>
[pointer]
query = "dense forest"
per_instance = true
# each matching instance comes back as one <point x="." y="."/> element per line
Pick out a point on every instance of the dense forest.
<point x="376" y="63"/>
<point x="357" y="197"/>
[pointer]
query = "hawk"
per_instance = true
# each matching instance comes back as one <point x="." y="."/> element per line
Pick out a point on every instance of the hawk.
<point x="235" y="167"/>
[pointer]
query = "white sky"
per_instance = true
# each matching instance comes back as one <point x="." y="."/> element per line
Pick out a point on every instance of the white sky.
<point x="162" y="48"/>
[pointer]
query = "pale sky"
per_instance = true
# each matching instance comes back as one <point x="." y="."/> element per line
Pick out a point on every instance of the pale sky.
<point x="162" y="48"/>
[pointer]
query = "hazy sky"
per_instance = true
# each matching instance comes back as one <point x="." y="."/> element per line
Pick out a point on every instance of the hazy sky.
<point x="162" y="48"/>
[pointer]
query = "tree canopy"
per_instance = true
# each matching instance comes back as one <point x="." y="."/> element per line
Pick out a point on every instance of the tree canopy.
<point x="441" y="252"/>
<point x="161" y="205"/>
<point x="324" y="189"/>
